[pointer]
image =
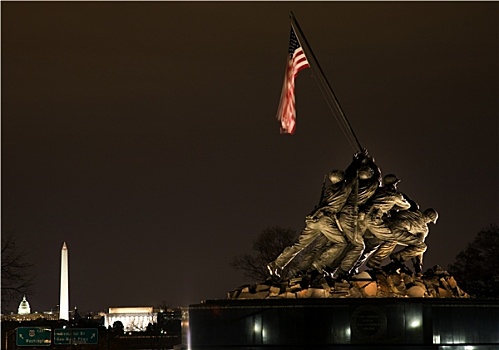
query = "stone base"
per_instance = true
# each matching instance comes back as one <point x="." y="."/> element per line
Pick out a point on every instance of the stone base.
<point x="344" y="323"/>
<point x="434" y="283"/>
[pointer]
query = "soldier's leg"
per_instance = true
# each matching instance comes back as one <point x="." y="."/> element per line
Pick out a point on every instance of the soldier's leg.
<point x="356" y="246"/>
<point x="352" y="229"/>
<point x="309" y="234"/>
<point x="337" y="241"/>
<point x="352" y="255"/>
<point x="372" y="245"/>
<point x="414" y="249"/>
<point x="326" y="259"/>
<point x="383" y="251"/>
<point x="335" y="263"/>
<point x="321" y="244"/>
<point x="377" y="231"/>
<point x="417" y="262"/>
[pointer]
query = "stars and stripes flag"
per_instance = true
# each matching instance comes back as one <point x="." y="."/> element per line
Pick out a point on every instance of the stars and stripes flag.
<point x="297" y="61"/>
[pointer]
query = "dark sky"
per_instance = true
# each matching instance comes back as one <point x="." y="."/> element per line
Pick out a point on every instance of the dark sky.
<point x="144" y="134"/>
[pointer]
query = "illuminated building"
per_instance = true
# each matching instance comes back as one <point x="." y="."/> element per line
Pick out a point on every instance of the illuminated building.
<point x="24" y="308"/>
<point x="24" y="313"/>
<point x="134" y="319"/>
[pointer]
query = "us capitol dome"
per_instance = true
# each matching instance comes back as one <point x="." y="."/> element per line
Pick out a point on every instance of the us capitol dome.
<point x="24" y="308"/>
<point x="24" y="313"/>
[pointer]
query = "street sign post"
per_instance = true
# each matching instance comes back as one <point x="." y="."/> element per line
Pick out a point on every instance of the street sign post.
<point x="76" y="336"/>
<point x="33" y="336"/>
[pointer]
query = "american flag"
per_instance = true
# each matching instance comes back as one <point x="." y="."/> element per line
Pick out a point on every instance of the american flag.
<point x="297" y="61"/>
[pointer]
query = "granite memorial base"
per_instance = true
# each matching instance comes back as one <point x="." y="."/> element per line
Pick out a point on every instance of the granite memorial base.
<point x="344" y="323"/>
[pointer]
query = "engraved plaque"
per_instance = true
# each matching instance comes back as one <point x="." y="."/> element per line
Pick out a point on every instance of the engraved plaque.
<point x="368" y="322"/>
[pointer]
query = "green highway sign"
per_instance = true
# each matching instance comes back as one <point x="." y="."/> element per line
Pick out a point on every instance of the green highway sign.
<point x="75" y="336"/>
<point x="33" y="336"/>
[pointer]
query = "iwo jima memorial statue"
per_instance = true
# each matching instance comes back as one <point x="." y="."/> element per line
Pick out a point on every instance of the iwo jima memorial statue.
<point x="315" y="296"/>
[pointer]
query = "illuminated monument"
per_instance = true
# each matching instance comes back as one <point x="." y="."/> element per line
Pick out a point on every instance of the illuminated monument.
<point x="386" y="307"/>
<point x="134" y="319"/>
<point x="324" y="301"/>
<point x="24" y="308"/>
<point x="64" y="296"/>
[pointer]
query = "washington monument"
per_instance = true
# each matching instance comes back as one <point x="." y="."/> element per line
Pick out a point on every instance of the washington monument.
<point x="64" y="296"/>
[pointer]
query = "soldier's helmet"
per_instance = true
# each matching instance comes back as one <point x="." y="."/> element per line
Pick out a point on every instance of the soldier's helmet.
<point x="432" y="215"/>
<point x="336" y="176"/>
<point x="365" y="173"/>
<point x="390" y="179"/>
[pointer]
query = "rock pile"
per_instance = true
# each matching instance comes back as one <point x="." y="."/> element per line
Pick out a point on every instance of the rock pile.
<point x="434" y="283"/>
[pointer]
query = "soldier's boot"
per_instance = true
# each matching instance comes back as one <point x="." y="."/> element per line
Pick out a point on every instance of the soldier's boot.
<point x="275" y="271"/>
<point x="396" y="265"/>
<point x="418" y="267"/>
<point x="339" y="275"/>
<point x="399" y="264"/>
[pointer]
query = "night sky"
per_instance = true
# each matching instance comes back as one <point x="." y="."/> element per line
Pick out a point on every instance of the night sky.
<point x="144" y="134"/>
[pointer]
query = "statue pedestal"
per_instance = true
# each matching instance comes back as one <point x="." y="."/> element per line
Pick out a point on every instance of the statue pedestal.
<point x="344" y="323"/>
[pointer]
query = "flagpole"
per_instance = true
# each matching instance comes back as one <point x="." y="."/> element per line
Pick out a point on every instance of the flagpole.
<point x="332" y="95"/>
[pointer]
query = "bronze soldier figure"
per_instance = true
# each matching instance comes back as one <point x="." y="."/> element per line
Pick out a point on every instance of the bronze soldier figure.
<point x="377" y="211"/>
<point x="324" y="219"/>
<point x="321" y="221"/>
<point x="350" y="216"/>
<point x="414" y="222"/>
<point x="373" y="243"/>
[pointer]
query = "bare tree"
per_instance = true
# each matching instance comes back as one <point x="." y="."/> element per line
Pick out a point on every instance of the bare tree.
<point x="266" y="248"/>
<point x="17" y="279"/>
